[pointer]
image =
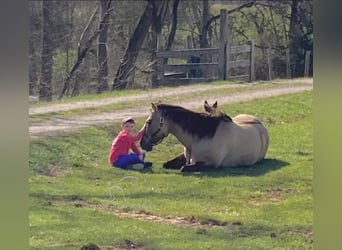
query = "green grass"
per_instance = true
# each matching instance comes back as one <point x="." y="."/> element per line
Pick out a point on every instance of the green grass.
<point x="74" y="193"/>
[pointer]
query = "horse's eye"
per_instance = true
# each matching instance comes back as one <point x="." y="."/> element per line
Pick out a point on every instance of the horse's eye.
<point x="149" y="121"/>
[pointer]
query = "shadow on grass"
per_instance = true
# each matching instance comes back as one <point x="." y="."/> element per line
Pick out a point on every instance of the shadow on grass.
<point x="261" y="168"/>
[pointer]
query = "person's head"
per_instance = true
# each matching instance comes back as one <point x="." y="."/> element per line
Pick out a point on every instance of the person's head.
<point x="128" y="124"/>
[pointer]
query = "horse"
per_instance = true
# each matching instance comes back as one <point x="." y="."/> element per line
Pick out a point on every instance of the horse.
<point x="210" y="141"/>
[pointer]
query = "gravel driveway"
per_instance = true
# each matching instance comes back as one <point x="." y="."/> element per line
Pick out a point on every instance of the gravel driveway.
<point x="58" y="125"/>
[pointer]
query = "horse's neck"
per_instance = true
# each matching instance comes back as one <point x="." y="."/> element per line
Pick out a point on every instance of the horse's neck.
<point x="184" y="137"/>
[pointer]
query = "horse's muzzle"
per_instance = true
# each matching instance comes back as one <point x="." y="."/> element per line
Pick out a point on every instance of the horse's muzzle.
<point x="146" y="144"/>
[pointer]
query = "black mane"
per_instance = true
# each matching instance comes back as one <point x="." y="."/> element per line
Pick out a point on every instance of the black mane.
<point x="199" y="124"/>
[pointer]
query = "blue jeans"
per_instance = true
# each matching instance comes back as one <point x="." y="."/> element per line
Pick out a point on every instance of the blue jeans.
<point x="124" y="160"/>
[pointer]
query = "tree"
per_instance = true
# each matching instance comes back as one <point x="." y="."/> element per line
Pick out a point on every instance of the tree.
<point x="157" y="41"/>
<point x="204" y="27"/>
<point x="275" y="25"/>
<point x="134" y="45"/>
<point x="172" y="33"/>
<point x="45" y="87"/>
<point x="34" y="45"/>
<point x="102" y="83"/>
<point x="300" y="33"/>
<point x="84" y="47"/>
<point x="294" y="32"/>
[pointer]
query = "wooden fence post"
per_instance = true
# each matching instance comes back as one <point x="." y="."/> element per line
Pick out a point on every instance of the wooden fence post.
<point x="188" y="46"/>
<point x="288" y="64"/>
<point x="188" y="42"/>
<point x="252" y="66"/>
<point x="222" y="67"/>
<point x="307" y="63"/>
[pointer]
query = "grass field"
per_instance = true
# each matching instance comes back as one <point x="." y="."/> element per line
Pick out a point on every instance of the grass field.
<point x="76" y="198"/>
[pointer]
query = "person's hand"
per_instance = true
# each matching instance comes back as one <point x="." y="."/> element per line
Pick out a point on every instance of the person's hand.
<point x="142" y="154"/>
<point x="143" y="127"/>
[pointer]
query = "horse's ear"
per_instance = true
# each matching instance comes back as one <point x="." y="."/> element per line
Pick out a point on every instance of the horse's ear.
<point x="154" y="107"/>
<point x="207" y="106"/>
<point x="215" y="105"/>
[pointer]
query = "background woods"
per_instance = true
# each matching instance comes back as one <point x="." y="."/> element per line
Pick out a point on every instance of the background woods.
<point x="94" y="46"/>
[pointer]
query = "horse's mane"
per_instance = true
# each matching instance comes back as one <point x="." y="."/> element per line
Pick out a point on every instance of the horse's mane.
<point x="195" y="123"/>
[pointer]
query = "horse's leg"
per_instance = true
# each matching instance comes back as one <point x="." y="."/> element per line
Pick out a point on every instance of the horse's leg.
<point x="198" y="166"/>
<point x="175" y="163"/>
<point x="187" y="153"/>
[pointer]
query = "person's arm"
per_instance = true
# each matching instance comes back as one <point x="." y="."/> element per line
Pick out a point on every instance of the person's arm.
<point x="135" y="148"/>
<point x="139" y="152"/>
<point x="139" y="135"/>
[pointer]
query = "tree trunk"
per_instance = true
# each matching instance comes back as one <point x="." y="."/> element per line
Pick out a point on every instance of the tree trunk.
<point x="33" y="69"/>
<point x="172" y="34"/>
<point x="45" y="87"/>
<point x="157" y="39"/>
<point x="294" y="34"/>
<point x="134" y="46"/>
<point x="102" y="82"/>
<point x="34" y="47"/>
<point x="204" y="30"/>
<point x="197" y="20"/>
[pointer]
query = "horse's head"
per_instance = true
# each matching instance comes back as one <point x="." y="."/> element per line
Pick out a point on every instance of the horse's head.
<point x="212" y="110"/>
<point x="156" y="129"/>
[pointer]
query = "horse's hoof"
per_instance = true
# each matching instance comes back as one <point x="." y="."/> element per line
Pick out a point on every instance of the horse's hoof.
<point x="186" y="169"/>
<point x="171" y="166"/>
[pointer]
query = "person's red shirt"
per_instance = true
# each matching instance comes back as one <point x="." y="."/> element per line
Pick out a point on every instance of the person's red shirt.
<point x="122" y="143"/>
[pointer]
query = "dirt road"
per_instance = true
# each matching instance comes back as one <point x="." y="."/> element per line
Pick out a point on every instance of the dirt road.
<point x="54" y="126"/>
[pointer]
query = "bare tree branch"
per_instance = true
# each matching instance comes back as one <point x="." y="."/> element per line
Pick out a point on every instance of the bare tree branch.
<point x="86" y="30"/>
<point x="245" y="5"/>
<point x="83" y="52"/>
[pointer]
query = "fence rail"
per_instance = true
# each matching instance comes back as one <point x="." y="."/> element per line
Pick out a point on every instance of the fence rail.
<point x="189" y="66"/>
<point x="240" y="49"/>
<point x="188" y="72"/>
<point x="186" y="53"/>
<point x="199" y="64"/>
